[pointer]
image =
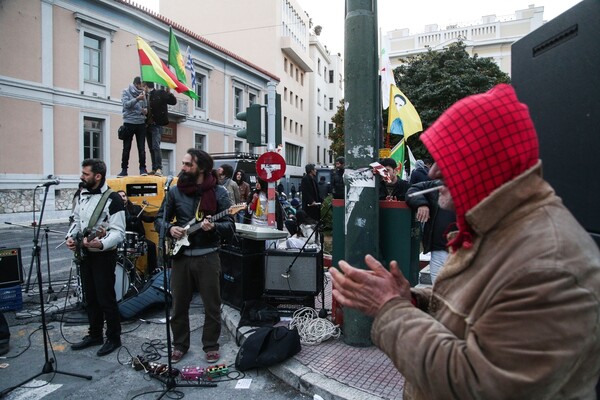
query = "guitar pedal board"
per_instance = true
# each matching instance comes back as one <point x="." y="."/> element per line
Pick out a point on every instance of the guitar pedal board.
<point x="191" y="373"/>
<point x="217" y="370"/>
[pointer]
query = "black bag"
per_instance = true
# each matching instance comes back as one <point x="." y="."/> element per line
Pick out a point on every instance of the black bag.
<point x="267" y="346"/>
<point x="258" y="313"/>
<point x="125" y="133"/>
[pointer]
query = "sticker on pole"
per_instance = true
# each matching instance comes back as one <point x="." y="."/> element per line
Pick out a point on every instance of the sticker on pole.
<point x="270" y="166"/>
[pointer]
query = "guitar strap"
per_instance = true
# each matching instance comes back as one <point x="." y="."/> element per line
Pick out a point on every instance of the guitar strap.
<point x="98" y="209"/>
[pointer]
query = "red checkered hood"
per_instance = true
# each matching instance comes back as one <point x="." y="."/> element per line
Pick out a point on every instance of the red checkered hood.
<point x="480" y="143"/>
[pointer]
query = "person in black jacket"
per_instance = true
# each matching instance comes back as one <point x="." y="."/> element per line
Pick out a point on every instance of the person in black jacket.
<point x="436" y="220"/>
<point x="158" y="116"/>
<point x="396" y="189"/>
<point x="311" y="199"/>
<point x="196" y="266"/>
<point x="337" y="180"/>
<point x="421" y="171"/>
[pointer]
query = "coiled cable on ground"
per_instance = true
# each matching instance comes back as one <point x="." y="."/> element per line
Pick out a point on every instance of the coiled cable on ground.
<point x="312" y="329"/>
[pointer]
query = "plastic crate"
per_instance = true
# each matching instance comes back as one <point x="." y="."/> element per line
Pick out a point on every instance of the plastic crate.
<point x="11" y="298"/>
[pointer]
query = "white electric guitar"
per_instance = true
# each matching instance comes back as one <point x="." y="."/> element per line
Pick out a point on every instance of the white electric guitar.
<point x="194" y="225"/>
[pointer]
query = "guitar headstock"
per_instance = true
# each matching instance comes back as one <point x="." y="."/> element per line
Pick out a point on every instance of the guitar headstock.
<point x="236" y="208"/>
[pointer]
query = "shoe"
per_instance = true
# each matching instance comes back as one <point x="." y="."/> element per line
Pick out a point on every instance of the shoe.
<point x="158" y="172"/>
<point x="212" y="356"/>
<point x="143" y="172"/>
<point x="86" y="342"/>
<point x="108" y="347"/>
<point x="151" y="172"/>
<point x="122" y="173"/>
<point x="176" y="356"/>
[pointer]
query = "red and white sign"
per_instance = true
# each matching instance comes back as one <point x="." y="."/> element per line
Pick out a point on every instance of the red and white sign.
<point x="270" y="166"/>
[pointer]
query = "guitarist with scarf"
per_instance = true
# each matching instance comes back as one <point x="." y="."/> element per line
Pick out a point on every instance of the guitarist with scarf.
<point x="196" y="197"/>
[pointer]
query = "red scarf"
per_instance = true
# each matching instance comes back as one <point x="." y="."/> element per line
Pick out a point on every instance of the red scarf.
<point x="480" y="143"/>
<point x="206" y="190"/>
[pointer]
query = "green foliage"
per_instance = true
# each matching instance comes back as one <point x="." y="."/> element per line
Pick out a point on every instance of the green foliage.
<point x="433" y="81"/>
<point x="337" y="133"/>
<point x="327" y="213"/>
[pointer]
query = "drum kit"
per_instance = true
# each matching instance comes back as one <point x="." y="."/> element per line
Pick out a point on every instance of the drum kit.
<point x="130" y="274"/>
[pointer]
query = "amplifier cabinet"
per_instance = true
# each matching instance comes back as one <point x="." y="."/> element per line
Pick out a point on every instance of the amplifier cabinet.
<point x="11" y="270"/>
<point x="241" y="277"/>
<point x="284" y="276"/>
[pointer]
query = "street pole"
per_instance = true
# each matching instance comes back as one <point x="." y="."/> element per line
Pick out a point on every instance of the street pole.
<point x="361" y="149"/>
<point x="271" y="98"/>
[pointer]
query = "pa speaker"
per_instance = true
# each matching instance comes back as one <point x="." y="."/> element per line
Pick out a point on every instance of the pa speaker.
<point x="287" y="275"/>
<point x="241" y="277"/>
<point x="11" y="270"/>
<point x="555" y="72"/>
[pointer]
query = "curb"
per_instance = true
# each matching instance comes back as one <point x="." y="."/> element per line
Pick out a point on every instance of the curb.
<point x="298" y="375"/>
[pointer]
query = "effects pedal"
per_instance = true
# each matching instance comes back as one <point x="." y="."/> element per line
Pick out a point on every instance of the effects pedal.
<point x="190" y="373"/>
<point x="217" y="370"/>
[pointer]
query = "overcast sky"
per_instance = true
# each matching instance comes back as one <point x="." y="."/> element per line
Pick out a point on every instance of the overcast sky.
<point x="414" y="14"/>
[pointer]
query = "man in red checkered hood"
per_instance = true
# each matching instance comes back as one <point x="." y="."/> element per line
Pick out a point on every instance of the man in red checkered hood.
<point x="515" y="312"/>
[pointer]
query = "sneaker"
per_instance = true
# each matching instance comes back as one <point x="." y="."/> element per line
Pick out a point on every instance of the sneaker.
<point x="212" y="356"/>
<point x="158" y="172"/>
<point x="143" y="172"/>
<point x="108" y="347"/>
<point x="151" y="172"/>
<point x="122" y="173"/>
<point x="176" y="356"/>
<point x="86" y="342"/>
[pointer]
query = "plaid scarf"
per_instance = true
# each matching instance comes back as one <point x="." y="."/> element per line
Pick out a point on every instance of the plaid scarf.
<point x="480" y="143"/>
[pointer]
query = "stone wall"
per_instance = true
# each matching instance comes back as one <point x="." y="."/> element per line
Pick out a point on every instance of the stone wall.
<point x="20" y="200"/>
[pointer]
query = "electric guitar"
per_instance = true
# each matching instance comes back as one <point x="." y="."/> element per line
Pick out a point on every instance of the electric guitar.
<point x="80" y="251"/>
<point x="194" y="225"/>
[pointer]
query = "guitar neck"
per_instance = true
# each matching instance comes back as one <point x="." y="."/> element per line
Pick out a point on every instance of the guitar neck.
<point x="215" y="217"/>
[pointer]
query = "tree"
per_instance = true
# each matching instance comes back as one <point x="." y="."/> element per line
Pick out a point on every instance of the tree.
<point x="337" y="133"/>
<point x="433" y="81"/>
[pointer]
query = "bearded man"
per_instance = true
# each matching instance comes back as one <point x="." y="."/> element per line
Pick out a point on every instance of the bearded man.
<point x="197" y="267"/>
<point x="515" y="312"/>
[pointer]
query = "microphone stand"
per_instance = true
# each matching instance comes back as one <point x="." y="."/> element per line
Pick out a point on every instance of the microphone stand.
<point x="168" y="378"/>
<point x="48" y="364"/>
<point x="318" y="226"/>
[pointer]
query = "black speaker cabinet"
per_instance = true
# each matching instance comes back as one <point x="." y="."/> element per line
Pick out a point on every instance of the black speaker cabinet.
<point x="284" y="276"/>
<point x="242" y="277"/>
<point x="11" y="271"/>
<point x="555" y="71"/>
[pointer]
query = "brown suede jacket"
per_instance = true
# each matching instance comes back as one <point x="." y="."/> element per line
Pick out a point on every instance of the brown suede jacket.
<point x="517" y="316"/>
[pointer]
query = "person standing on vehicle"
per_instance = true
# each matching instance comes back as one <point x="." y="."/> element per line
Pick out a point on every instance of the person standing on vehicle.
<point x="158" y="116"/>
<point x="134" y="119"/>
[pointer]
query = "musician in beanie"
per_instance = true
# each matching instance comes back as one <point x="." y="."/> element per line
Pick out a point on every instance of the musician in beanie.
<point x="515" y="312"/>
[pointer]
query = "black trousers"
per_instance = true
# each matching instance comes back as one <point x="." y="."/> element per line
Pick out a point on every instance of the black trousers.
<point x="139" y="131"/>
<point x="98" y="279"/>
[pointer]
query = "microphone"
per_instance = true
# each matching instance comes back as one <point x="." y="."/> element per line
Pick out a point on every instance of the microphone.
<point x="168" y="183"/>
<point x="55" y="181"/>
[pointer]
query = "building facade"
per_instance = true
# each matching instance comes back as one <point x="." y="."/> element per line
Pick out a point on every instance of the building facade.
<point x="60" y="94"/>
<point x="276" y="35"/>
<point x="490" y="37"/>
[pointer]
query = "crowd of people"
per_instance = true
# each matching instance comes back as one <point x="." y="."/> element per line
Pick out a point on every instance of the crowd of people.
<point x="514" y="306"/>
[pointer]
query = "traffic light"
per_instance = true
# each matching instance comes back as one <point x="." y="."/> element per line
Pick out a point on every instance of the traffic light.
<point x="254" y="124"/>
<point x="277" y="120"/>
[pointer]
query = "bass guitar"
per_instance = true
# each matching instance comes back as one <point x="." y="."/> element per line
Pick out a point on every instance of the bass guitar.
<point x="80" y="250"/>
<point x="194" y="225"/>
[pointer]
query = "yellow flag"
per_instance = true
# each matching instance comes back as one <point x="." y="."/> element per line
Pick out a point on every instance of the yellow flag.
<point x="259" y="210"/>
<point x="403" y="119"/>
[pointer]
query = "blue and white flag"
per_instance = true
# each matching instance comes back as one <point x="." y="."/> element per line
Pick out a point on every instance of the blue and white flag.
<point x="189" y="65"/>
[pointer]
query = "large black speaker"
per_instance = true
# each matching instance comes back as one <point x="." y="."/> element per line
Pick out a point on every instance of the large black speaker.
<point x="555" y="71"/>
<point x="11" y="270"/>
<point x="284" y="276"/>
<point x="242" y="276"/>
